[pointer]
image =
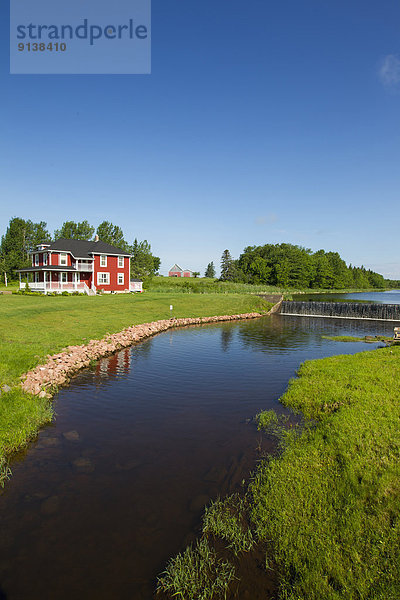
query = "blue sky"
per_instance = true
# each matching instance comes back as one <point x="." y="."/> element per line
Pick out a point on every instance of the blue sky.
<point x="261" y="122"/>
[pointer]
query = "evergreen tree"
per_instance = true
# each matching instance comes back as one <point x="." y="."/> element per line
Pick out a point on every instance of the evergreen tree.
<point x="143" y="263"/>
<point x="210" y="271"/>
<point x="227" y="266"/>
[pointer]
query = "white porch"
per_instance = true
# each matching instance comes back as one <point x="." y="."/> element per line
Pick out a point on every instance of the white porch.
<point x="49" y="284"/>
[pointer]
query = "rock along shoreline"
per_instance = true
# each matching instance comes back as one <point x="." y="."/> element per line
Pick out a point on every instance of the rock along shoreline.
<point x="44" y="380"/>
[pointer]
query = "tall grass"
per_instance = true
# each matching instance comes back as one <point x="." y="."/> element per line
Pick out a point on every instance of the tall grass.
<point x="5" y="471"/>
<point x="197" y="574"/>
<point x="204" y="285"/>
<point x="227" y="519"/>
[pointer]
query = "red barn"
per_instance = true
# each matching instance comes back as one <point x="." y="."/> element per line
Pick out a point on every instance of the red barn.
<point x="177" y="271"/>
<point x="78" y="265"/>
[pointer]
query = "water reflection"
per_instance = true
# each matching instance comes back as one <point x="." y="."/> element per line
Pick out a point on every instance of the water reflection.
<point x="389" y="297"/>
<point x="114" y="365"/>
<point x="226" y="337"/>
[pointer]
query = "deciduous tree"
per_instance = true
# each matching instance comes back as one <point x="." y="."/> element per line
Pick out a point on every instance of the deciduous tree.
<point x="75" y="231"/>
<point x="112" y="234"/>
<point x="19" y="240"/>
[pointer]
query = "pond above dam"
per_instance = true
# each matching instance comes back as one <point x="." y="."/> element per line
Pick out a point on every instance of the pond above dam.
<point x="387" y="297"/>
<point x="117" y="484"/>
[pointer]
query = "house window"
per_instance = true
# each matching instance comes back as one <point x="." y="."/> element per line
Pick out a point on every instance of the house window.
<point x="103" y="260"/>
<point x="36" y="277"/>
<point x="45" y="260"/>
<point x="120" y="279"/>
<point x="120" y="262"/>
<point x="64" y="277"/>
<point x="36" y="260"/>
<point x="63" y="260"/>
<point x="103" y="278"/>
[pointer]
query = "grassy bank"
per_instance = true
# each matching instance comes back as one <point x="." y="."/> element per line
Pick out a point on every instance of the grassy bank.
<point x="327" y="508"/>
<point x="204" y="285"/>
<point x="351" y="338"/>
<point x="330" y="503"/>
<point x="35" y="326"/>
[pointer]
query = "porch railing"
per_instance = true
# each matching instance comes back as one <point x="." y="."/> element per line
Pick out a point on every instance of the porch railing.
<point x="53" y="286"/>
<point x="81" y="265"/>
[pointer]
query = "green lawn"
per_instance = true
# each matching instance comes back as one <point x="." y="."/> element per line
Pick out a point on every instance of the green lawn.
<point x="11" y="287"/>
<point x="34" y="326"/>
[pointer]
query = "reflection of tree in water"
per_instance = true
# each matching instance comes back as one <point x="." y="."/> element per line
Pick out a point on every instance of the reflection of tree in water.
<point x="226" y="336"/>
<point x="283" y="332"/>
<point x="275" y="332"/>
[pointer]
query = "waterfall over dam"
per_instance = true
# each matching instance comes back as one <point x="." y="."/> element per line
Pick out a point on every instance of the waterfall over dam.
<point x="342" y="310"/>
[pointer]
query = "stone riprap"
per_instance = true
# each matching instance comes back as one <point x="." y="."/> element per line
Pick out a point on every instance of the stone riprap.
<point x="45" y="379"/>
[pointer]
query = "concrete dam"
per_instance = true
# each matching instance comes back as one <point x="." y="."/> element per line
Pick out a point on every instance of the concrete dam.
<point x="342" y="310"/>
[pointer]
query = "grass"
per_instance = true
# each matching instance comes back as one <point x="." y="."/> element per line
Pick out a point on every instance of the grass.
<point x="227" y="519"/>
<point x="197" y="574"/>
<point x="331" y="502"/>
<point x="5" y="471"/>
<point x="35" y="326"/>
<point x="350" y="338"/>
<point x="12" y="286"/>
<point x="204" y="285"/>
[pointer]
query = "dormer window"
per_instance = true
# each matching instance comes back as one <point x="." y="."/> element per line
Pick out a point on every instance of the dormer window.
<point x="63" y="259"/>
<point x="103" y="260"/>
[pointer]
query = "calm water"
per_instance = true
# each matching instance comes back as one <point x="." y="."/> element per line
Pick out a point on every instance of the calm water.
<point x="116" y="486"/>
<point x="391" y="297"/>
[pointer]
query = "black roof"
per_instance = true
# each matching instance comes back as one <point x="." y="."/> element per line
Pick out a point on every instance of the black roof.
<point x="84" y="249"/>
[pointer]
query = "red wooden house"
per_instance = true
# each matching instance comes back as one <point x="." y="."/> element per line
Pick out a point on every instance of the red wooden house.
<point x="78" y="265"/>
<point x="177" y="271"/>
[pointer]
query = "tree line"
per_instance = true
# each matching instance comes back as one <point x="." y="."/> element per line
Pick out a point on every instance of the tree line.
<point x="22" y="236"/>
<point x="290" y="266"/>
